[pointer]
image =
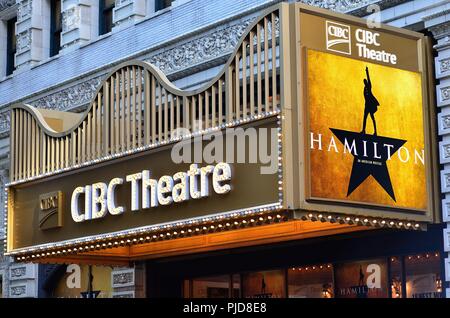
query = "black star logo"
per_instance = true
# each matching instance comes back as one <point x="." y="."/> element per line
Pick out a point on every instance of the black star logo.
<point x="370" y="155"/>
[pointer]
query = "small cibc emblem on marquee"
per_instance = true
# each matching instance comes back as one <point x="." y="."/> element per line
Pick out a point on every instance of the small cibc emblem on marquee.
<point x="338" y="38"/>
<point x="50" y="210"/>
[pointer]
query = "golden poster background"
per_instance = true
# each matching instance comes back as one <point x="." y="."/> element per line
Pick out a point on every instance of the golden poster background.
<point x="336" y="100"/>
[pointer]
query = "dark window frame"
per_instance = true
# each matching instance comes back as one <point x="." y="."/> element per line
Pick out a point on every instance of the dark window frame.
<point x="11" y="46"/>
<point x="104" y="11"/>
<point x="55" y="30"/>
<point x="162" y="4"/>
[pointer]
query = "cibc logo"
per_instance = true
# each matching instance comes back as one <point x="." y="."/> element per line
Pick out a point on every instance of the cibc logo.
<point x="50" y="206"/>
<point x="339" y="38"/>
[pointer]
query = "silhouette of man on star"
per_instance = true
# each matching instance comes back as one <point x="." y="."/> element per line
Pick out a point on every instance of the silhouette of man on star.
<point x="371" y="103"/>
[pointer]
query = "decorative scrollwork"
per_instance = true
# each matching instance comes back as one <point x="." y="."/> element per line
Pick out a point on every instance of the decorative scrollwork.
<point x="5" y="4"/>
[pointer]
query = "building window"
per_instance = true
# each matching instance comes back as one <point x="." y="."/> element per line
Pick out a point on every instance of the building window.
<point x="363" y="279"/>
<point x="423" y="278"/>
<point x="396" y="266"/>
<point x="223" y="286"/>
<point x="55" y="27"/>
<point x="11" y="46"/>
<point x="264" y="284"/>
<point x="106" y="16"/>
<point x="311" y="282"/>
<point x="162" y="4"/>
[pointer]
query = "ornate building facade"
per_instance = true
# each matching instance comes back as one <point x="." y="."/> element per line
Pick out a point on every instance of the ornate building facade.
<point x="189" y="40"/>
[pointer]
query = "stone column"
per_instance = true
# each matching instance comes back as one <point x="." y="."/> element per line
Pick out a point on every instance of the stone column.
<point x="33" y="32"/>
<point x="128" y="12"/>
<point x="439" y="25"/>
<point x="23" y="281"/>
<point x="5" y="261"/>
<point x="4" y="179"/>
<point x="20" y="280"/>
<point x="79" y="23"/>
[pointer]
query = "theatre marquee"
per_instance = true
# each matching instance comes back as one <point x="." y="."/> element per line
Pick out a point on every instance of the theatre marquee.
<point x="315" y="117"/>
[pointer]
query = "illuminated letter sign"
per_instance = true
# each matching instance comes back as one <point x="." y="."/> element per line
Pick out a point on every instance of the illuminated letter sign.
<point x="99" y="198"/>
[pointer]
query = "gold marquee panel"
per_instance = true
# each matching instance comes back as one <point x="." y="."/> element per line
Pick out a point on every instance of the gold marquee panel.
<point x="138" y="114"/>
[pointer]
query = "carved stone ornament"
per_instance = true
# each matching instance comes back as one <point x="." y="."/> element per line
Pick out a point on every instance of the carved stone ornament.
<point x="199" y="50"/>
<point x="24" y="9"/>
<point x="444" y="65"/>
<point x="5" y="4"/>
<point x="24" y="41"/>
<point x="70" y="97"/>
<point x="4" y="121"/>
<point x="356" y="7"/>
<point x="122" y="278"/>
<point x="18" y="271"/>
<point x="71" y="18"/>
<point x="445" y="93"/>
<point x="18" y="290"/>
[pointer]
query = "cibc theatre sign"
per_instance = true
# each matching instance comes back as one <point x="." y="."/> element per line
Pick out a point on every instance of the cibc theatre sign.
<point x="334" y="125"/>
<point x="99" y="198"/>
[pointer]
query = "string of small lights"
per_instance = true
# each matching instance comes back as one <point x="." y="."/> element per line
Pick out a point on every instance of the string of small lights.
<point x="111" y="240"/>
<point x="358" y="220"/>
<point x="422" y="256"/>
<point x="417" y="257"/>
<point x="312" y="268"/>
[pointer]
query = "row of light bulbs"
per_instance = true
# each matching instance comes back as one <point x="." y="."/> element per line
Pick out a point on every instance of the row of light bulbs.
<point x="184" y="232"/>
<point x="417" y="257"/>
<point x="426" y="256"/>
<point x="325" y="217"/>
<point x="312" y="268"/>
<point x="257" y="211"/>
